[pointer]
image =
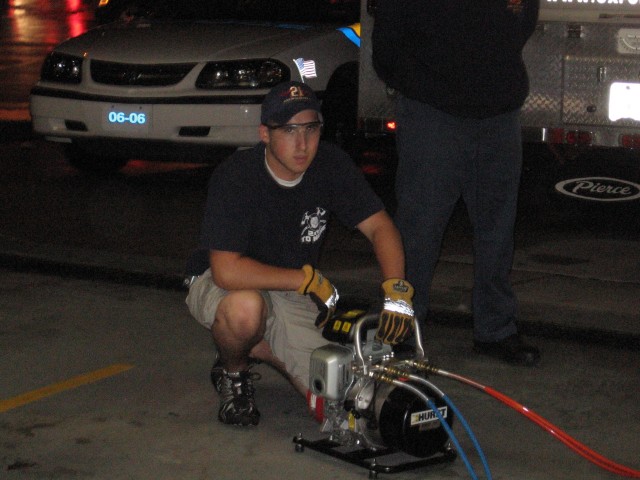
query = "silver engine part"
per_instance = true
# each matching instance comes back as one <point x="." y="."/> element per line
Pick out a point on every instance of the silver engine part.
<point x="374" y="400"/>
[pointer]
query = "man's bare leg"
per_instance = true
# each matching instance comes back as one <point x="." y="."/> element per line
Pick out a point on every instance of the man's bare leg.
<point x="262" y="351"/>
<point x="239" y="326"/>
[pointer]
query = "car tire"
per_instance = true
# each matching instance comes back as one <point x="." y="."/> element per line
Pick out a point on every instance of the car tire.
<point x="92" y="163"/>
<point x="340" y="104"/>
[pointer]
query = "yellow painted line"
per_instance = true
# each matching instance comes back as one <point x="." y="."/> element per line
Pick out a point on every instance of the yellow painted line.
<point x="74" y="382"/>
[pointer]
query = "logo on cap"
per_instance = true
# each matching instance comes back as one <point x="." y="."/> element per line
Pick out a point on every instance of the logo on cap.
<point x="296" y="92"/>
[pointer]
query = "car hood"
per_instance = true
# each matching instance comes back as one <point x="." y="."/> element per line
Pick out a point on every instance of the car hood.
<point x="145" y="41"/>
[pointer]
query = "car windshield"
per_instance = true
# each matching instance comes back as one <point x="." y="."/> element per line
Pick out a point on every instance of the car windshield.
<point x="344" y="11"/>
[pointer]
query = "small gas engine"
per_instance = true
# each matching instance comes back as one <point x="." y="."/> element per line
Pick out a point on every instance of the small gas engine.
<point x="374" y="403"/>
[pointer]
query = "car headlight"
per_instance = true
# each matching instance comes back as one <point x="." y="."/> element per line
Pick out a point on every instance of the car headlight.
<point x="242" y="74"/>
<point x="62" y="68"/>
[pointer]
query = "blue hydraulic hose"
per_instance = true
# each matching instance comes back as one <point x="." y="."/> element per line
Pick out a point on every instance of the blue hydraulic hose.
<point x="463" y="422"/>
<point x="453" y="438"/>
<point x="473" y="438"/>
<point x="443" y="422"/>
<point x="558" y="433"/>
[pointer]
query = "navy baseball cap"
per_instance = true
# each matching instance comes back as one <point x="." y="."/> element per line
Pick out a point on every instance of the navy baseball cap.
<point x="286" y="100"/>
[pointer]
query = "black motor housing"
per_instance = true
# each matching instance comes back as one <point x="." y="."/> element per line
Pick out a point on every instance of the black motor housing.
<point x="406" y="423"/>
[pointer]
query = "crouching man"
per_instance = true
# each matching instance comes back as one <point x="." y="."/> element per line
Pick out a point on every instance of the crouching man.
<point x="267" y="212"/>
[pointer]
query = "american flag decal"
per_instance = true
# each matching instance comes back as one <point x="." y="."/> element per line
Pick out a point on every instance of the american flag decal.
<point x="307" y="68"/>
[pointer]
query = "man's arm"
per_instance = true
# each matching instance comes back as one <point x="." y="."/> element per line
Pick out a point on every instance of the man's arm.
<point x="397" y="315"/>
<point x="387" y="243"/>
<point x="233" y="271"/>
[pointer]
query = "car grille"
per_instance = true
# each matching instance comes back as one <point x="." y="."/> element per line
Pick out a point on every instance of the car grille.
<point x="113" y="73"/>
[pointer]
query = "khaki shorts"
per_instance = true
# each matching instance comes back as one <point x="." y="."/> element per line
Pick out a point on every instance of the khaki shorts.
<point x="290" y="331"/>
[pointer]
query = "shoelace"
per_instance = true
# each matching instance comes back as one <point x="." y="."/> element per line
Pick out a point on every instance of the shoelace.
<point x="240" y="385"/>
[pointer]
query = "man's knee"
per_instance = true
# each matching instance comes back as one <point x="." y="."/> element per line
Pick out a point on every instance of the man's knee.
<point x="241" y="314"/>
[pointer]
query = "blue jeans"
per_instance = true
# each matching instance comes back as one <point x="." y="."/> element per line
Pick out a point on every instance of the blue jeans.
<point x="443" y="158"/>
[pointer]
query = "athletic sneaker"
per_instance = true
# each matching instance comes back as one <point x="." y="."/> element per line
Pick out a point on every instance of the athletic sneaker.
<point x="237" y="404"/>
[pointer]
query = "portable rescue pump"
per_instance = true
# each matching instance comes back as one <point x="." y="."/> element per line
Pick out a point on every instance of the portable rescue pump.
<point x="382" y="413"/>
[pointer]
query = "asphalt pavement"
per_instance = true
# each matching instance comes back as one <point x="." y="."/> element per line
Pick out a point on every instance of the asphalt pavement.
<point x="104" y="380"/>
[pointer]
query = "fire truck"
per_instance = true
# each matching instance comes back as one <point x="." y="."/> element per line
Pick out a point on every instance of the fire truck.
<point x="581" y="120"/>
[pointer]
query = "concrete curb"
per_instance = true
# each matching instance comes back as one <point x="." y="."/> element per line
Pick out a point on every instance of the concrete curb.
<point x="564" y="321"/>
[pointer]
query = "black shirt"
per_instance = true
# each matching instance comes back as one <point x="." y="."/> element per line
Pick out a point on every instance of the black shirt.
<point x="248" y="212"/>
<point x="463" y="57"/>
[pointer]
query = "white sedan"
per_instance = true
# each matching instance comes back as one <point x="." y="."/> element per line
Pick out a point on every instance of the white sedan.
<point x="157" y="86"/>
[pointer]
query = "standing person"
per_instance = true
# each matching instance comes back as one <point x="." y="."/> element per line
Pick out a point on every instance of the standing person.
<point x="257" y="287"/>
<point x="458" y="69"/>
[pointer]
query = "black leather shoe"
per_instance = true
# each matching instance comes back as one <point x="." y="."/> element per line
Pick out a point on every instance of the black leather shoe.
<point x="511" y="349"/>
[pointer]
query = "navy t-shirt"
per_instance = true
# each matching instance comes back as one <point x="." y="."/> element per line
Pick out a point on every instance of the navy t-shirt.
<point x="249" y="213"/>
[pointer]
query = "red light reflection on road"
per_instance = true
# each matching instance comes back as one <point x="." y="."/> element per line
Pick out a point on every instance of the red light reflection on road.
<point x="145" y="167"/>
<point x="38" y="21"/>
<point x="42" y="4"/>
<point x="76" y="18"/>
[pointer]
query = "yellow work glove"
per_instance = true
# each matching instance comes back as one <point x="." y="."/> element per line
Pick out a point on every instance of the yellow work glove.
<point x="396" y="318"/>
<point x="320" y="290"/>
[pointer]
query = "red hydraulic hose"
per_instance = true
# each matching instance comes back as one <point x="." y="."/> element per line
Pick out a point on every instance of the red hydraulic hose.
<point x="559" y="434"/>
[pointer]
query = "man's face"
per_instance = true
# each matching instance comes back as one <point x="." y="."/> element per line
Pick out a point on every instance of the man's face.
<point x="292" y="147"/>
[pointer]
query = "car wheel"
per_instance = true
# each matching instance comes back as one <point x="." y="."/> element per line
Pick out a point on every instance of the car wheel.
<point x="340" y="104"/>
<point x="92" y="163"/>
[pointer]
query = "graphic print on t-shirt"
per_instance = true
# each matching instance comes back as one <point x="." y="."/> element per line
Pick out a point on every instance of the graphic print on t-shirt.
<point x="313" y="225"/>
